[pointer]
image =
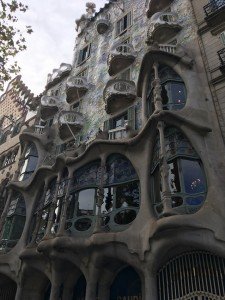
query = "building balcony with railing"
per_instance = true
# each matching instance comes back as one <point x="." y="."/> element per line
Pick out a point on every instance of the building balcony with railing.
<point x="221" y="54"/>
<point x="70" y="123"/>
<point x="102" y="24"/>
<point x="164" y="26"/>
<point x="215" y="12"/>
<point x="49" y="106"/>
<point x="118" y="94"/>
<point x="76" y="87"/>
<point x="58" y="74"/>
<point x="121" y="56"/>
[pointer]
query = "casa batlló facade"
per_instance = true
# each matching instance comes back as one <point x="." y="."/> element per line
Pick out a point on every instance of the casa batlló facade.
<point x="122" y="175"/>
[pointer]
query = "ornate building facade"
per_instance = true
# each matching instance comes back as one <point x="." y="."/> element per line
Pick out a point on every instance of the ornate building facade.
<point x="122" y="174"/>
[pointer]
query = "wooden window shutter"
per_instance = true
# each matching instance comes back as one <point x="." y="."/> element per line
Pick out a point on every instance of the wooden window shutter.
<point x="132" y="117"/>
<point x="222" y="37"/>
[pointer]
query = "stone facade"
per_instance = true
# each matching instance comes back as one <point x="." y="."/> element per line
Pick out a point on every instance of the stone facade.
<point x="122" y="175"/>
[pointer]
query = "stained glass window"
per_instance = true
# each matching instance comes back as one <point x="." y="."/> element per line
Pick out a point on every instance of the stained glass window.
<point x="87" y="176"/>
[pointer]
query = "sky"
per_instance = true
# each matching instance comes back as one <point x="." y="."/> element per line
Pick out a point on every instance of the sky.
<point x="53" y="39"/>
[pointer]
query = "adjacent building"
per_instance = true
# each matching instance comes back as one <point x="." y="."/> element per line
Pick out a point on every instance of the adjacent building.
<point x="121" y="176"/>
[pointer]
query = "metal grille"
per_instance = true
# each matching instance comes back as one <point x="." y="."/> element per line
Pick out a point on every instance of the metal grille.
<point x="213" y="7"/>
<point x="192" y="276"/>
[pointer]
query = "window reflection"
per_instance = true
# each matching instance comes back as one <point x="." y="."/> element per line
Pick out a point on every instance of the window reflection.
<point x="86" y="201"/>
<point x="186" y="178"/>
<point x="173" y="91"/>
<point x="30" y="162"/>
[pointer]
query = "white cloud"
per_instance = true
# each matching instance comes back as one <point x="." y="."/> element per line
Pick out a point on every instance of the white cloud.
<point x="53" y="39"/>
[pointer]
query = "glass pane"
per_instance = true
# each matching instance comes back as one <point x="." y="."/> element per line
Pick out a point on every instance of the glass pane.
<point x="107" y="205"/>
<point x="87" y="176"/>
<point x="71" y="206"/>
<point x="83" y="224"/>
<point x="120" y="170"/>
<point x="174" y="179"/>
<point x="178" y="95"/>
<point x="125" y="217"/>
<point x="31" y="164"/>
<point x="193" y="176"/>
<point x="127" y="195"/>
<point x="86" y="201"/>
<point x="198" y="200"/>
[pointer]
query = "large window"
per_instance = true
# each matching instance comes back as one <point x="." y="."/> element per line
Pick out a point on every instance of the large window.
<point x="187" y="181"/>
<point x="118" y="186"/>
<point x="14" y="223"/>
<point x="173" y="92"/>
<point x="30" y="162"/>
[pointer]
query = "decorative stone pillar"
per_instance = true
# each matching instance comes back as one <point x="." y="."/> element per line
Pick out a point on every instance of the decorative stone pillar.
<point x="65" y="203"/>
<point x="150" y="286"/>
<point x="157" y="89"/>
<point x="103" y="292"/>
<point x="38" y="219"/>
<point x="100" y="196"/>
<point x="50" y="223"/>
<point x="21" y="161"/>
<point x="144" y="99"/>
<point x="91" y="288"/>
<point x="164" y="172"/>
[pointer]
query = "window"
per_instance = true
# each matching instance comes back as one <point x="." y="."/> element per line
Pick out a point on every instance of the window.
<point x="84" y="54"/>
<point x="121" y="195"/>
<point x="14" y="223"/>
<point x="117" y="126"/>
<point x="16" y="129"/>
<point x="75" y="107"/>
<point x="173" y="92"/>
<point x="30" y="162"/>
<point x="187" y="180"/>
<point x="123" y="24"/>
<point x="222" y="38"/>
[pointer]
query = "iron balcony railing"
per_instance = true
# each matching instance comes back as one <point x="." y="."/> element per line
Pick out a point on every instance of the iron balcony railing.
<point x="213" y="6"/>
<point x="221" y="54"/>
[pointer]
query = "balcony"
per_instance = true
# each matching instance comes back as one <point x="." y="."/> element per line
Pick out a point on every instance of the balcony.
<point x="221" y="54"/>
<point x="118" y="94"/>
<point x="70" y="123"/>
<point x="121" y="57"/>
<point x="49" y="107"/>
<point x="156" y="6"/>
<point x="215" y="12"/>
<point x="76" y="87"/>
<point x="58" y="74"/>
<point x="102" y="25"/>
<point x="163" y="27"/>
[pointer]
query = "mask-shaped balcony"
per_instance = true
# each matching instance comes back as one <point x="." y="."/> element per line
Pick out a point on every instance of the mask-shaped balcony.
<point x="49" y="107"/>
<point x="76" y="87"/>
<point x="156" y="5"/>
<point x="163" y="27"/>
<point x="65" y="69"/>
<point x="118" y="94"/>
<point x="102" y="25"/>
<point x="70" y="123"/>
<point x="121" y="56"/>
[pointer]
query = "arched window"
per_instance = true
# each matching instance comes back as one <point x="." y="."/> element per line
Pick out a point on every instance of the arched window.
<point x="187" y="180"/>
<point x="193" y="275"/>
<point x="121" y="193"/>
<point x="14" y="223"/>
<point x="79" y="291"/>
<point x="126" y="285"/>
<point x="116" y="184"/>
<point x="7" y="288"/>
<point x="173" y="91"/>
<point x="30" y="162"/>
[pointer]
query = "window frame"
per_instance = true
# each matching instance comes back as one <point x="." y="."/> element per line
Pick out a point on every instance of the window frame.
<point x="121" y="32"/>
<point x="80" y="59"/>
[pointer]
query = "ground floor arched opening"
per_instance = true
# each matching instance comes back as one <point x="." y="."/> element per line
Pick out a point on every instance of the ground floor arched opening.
<point x="7" y="288"/>
<point x="126" y="285"/>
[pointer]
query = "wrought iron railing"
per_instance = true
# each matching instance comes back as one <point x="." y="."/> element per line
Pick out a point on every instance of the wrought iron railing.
<point x="213" y="7"/>
<point x="221" y="54"/>
<point x="39" y="129"/>
<point x="168" y="48"/>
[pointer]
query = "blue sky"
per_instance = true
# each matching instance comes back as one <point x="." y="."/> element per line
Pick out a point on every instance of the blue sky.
<point x="53" y="39"/>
